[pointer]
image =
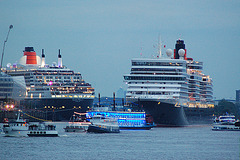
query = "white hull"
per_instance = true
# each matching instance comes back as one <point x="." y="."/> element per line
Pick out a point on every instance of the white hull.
<point x="42" y="133"/>
<point x="225" y="128"/>
<point x="15" y="133"/>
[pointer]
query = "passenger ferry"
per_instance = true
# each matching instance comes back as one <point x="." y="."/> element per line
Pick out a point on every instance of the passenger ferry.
<point x="100" y="124"/>
<point x="173" y="89"/>
<point x="126" y="119"/>
<point x="42" y="130"/>
<point x="53" y="89"/>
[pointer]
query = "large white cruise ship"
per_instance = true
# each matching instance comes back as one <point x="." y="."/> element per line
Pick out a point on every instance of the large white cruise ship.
<point x="54" y="89"/>
<point x="173" y="90"/>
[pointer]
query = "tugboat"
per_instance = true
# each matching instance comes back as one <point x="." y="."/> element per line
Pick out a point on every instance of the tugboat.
<point x="100" y="124"/>
<point x="226" y="123"/>
<point x="16" y="128"/>
<point x="78" y="123"/>
<point x="42" y="130"/>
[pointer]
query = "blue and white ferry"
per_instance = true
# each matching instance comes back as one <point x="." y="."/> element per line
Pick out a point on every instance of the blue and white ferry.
<point x="127" y="120"/>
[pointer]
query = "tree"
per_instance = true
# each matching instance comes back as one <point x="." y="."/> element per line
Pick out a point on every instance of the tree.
<point x="225" y="107"/>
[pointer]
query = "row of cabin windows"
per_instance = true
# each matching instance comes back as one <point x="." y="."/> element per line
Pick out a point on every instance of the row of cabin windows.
<point x="5" y="94"/>
<point x="6" y="84"/>
<point x="153" y="93"/>
<point x="156" y="64"/>
<point x="5" y="89"/>
<point x="159" y="69"/>
<point x="57" y="77"/>
<point x="154" y="78"/>
<point x="6" y="79"/>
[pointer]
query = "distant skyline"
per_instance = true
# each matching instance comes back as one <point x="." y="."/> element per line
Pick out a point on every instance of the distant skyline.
<point x="99" y="38"/>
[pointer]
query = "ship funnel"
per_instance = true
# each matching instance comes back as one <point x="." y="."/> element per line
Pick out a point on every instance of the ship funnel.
<point x="31" y="55"/>
<point x="59" y="59"/>
<point x="43" y="58"/>
<point x="179" y="45"/>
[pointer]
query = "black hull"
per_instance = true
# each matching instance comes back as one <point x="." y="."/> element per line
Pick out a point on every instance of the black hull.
<point x="94" y="129"/>
<point x="57" y="109"/>
<point x="199" y="115"/>
<point x="43" y="135"/>
<point x="169" y="115"/>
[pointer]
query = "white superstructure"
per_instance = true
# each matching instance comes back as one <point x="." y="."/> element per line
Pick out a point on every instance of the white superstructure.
<point x="177" y="80"/>
<point x="162" y="79"/>
<point x="49" y="81"/>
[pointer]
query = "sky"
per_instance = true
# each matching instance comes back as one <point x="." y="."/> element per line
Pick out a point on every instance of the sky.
<point x="98" y="38"/>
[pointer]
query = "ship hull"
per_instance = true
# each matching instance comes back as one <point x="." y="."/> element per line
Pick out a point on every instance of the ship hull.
<point x="168" y="115"/>
<point x="96" y="129"/>
<point x="199" y="116"/>
<point x="60" y="109"/>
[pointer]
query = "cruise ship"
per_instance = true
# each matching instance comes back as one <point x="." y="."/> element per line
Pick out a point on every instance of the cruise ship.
<point x="173" y="89"/>
<point x="53" y="89"/>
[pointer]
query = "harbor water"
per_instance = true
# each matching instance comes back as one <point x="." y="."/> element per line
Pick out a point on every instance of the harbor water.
<point x="194" y="142"/>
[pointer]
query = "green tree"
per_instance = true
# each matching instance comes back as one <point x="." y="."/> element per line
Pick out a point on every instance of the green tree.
<point x="224" y="107"/>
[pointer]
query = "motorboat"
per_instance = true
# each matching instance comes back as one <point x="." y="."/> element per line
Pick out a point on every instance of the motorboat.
<point x="225" y="120"/>
<point x="78" y="123"/>
<point x="101" y="124"/>
<point x="226" y="123"/>
<point x="16" y="128"/>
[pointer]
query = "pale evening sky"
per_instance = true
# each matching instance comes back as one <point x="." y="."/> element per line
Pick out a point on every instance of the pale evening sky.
<point x="99" y="38"/>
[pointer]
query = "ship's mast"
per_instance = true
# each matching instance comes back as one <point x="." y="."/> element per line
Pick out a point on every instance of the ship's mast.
<point x="159" y="47"/>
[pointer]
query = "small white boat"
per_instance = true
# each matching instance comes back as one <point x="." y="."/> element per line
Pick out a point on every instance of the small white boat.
<point x="226" y="123"/>
<point x="225" y="120"/>
<point x="77" y="127"/>
<point x="16" y="128"/>
<point x="78" y="123"/>
<point x="42" y="130"/>
<point x="100" y="124"/>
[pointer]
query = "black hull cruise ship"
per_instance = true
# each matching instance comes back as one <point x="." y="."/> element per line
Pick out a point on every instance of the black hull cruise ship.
<point x="173" y="90"/>
<point x="54" y="90"/>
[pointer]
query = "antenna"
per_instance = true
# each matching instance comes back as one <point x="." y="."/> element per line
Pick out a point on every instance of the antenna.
<point x="10" y="27"/>
<point x="141" y="48"/>
<point x="159" y="46"/>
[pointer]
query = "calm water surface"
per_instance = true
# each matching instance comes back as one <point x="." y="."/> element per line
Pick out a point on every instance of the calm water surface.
<point x="198" y="142"/>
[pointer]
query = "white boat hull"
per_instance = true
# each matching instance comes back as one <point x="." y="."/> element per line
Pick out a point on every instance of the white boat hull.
<point x="42" y="133"/>
<point x="225" y="128"/>
<point x="15" y="133"/>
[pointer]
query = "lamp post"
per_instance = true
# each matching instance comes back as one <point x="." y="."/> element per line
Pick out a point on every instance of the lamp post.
<point x="10" y="27"/>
